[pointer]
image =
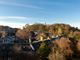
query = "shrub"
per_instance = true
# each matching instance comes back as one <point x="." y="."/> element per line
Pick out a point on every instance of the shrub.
<point x="43" y="51"/>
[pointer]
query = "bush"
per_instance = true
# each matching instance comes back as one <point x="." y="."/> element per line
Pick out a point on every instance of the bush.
<point x="43" y="51"/>
<point x="56" y="54"/>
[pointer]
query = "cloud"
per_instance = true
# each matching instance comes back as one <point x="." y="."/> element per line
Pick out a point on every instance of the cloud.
<point x="19" y="5"/>
<point x="23" y="18"/>
<point x="75" y="24"/>
<point x="11" y="24"/>
<point x="13" y="21"/>
<point x="12" y="17"/>
<point x="20" y="19"/>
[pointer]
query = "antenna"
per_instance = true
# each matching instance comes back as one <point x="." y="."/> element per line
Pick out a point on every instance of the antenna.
<point x="45" y="23"/>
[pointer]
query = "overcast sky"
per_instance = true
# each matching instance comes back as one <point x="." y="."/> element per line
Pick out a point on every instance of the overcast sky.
<point x="17" y="13"/>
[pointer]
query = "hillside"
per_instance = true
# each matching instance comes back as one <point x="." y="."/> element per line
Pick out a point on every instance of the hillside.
<point x="67" y="47"/>
<point x="54" y="30"/>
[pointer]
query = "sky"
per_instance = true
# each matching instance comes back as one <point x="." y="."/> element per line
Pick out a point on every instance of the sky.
<point x="17" y="13"/>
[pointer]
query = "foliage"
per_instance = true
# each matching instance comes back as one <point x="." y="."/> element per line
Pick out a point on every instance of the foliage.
<point x="43" y="51"/>
<point x="57" y="54"/>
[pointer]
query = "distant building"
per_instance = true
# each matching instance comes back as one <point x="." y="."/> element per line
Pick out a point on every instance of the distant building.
<point x="3" y="34"/>
<point x="8" y="40"/>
